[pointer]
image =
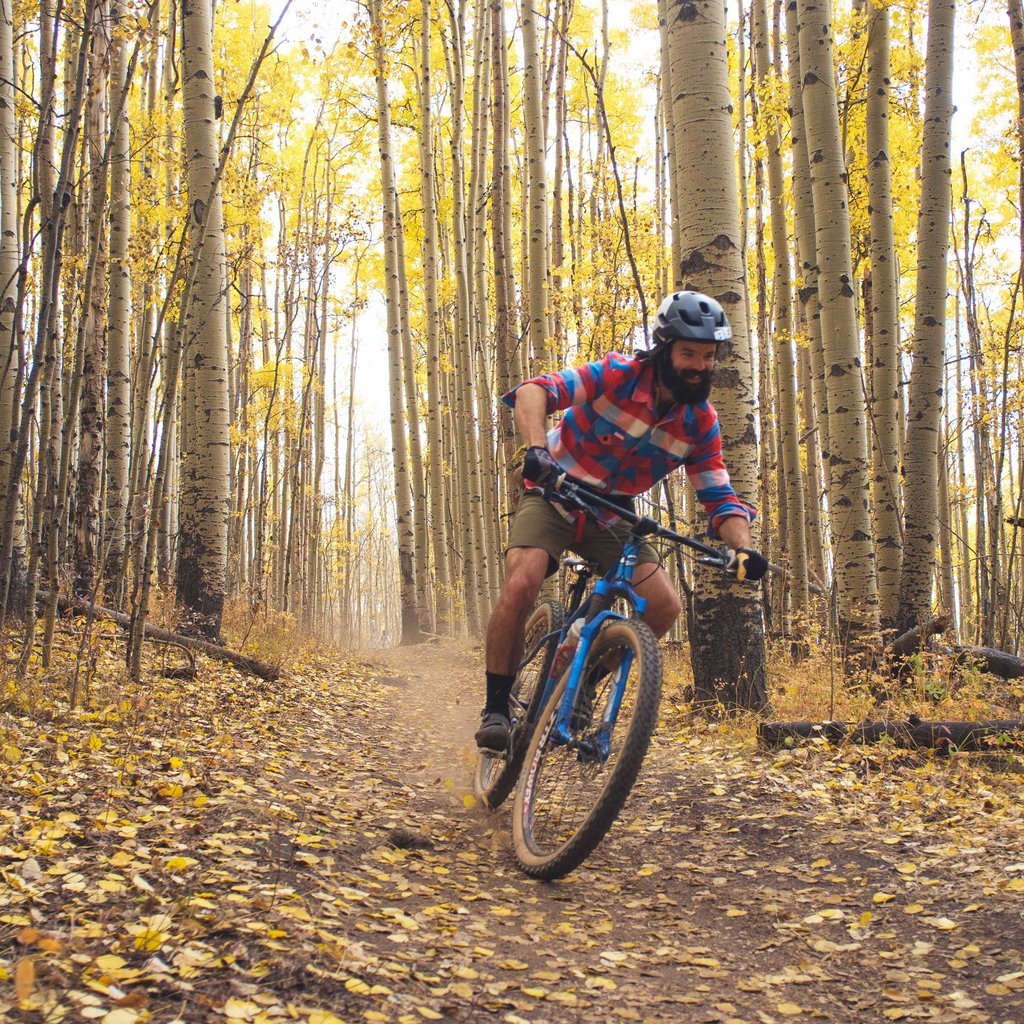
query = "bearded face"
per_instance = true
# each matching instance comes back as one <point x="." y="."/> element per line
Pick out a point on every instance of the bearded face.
<point x="690" y="386"/>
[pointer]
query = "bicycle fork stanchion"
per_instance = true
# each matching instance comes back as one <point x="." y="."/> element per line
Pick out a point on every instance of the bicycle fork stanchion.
<point x="605" y="592"/>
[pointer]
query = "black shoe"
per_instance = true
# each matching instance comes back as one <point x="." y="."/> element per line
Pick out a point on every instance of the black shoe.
<point x="494" y="732"/>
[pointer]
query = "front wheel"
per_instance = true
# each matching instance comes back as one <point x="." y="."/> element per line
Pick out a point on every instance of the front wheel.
<point x="570" y="793"/>
<point x="496" y="774"/>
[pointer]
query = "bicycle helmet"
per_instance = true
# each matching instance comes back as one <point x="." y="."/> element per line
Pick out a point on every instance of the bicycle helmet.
<point x="692" y="316"/>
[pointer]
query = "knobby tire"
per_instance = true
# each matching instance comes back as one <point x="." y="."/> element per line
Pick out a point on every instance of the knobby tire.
<point x="546" y="846"/>
<point x="496" y="774"/>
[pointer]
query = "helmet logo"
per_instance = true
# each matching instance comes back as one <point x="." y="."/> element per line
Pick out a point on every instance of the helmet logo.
<point x="723" y="333"/>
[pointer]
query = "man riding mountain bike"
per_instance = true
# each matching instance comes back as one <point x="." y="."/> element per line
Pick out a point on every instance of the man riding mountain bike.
<point x="628" y="423"/>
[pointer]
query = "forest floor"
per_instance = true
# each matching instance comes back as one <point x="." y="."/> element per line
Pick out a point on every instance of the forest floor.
<point x="310" y="849"/>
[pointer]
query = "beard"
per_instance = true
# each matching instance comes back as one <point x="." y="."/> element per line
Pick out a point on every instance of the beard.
<point x="693" y="387"/>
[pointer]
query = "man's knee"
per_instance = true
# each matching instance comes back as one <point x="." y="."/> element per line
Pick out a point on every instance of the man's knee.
<point x="521" y="589"/>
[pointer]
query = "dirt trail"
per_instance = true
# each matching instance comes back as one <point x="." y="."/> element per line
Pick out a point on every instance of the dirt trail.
<point x="737" y="887"/>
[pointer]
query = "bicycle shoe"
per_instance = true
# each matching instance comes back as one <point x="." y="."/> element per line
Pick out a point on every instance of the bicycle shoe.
<point x="494" y="731"/>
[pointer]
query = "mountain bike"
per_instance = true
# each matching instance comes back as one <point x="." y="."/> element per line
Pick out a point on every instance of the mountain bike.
<point x="594" y="684"/>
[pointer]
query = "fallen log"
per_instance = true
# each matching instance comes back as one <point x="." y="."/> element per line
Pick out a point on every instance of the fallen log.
<point x="907" y="643"/>
<point x="913" y="734"/>
<point x="240" y="661"/>
<point x="999" y="663"/>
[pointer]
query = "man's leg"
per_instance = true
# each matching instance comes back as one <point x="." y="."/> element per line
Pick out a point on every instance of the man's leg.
<point x="525" y="570"/>
<point x="663" y="604"/>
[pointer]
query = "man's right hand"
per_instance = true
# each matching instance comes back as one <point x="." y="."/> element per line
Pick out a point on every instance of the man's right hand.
<point x="539" y="466"/>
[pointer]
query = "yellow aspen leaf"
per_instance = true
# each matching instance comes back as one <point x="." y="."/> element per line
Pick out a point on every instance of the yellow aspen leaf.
<point x="735" y="912"/>
<point x="789" y="1009"/>
<point x="27" y="936"/>
<point x="177" y="763"/>
<point x="821" y="862"/>
<point x="906" y="867"/>
<point x="122" y="1015"/>
<point x="12" y="753"/>
<point x="50" y="945"/>
<point x="913" y="908"/>
<point x="24" y="977"/>
<point x="944" y="924"/>
<point x="428" y="1013"/>
<point x="240" y="1009"/>
<point x="461" y="989"/>
<point x="150" y="939"/>
<point x="882" y="897"/>
<point x="469" y="801"/>
<point x="864" y="920"/>
<point x="324" y="1017"/>
<point x="831" y="914"/>
<point x="357" y="986"/>
<point x="109" y="962"/>
<point x="566" y="998"/>
<point x="95" y="743"/>
<point x="535" y="993"/>
<point x="1017" y="885"/>
<point x="121" y="859"/>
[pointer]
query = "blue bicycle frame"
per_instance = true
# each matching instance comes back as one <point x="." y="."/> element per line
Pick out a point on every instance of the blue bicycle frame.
<point x="596" y="610"/>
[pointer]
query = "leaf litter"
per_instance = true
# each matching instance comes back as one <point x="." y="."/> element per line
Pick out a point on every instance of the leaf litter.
<point x="223" y="849"/>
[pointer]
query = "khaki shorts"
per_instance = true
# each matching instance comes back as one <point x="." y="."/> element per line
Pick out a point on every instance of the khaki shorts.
<point x="536" y="524"/>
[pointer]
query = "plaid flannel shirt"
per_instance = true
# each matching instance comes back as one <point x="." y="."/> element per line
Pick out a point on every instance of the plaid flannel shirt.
<point x="613" y="438"/>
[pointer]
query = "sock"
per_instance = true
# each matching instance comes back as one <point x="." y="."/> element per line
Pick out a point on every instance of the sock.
<point x="498" y="689"/>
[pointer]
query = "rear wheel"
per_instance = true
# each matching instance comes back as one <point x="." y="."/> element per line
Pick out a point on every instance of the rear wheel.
<point x="496" y="774"/>
<point x="570" y="793"/>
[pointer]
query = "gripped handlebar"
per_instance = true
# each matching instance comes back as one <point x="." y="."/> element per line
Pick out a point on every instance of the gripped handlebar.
<point x="565" y="492"/>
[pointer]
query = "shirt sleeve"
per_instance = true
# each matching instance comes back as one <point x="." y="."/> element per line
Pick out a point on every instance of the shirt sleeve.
<point x="706" y="470"/>
<point x="577" y="385"/>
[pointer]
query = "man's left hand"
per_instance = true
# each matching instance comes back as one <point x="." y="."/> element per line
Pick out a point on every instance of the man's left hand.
<point x="745" y="564"/>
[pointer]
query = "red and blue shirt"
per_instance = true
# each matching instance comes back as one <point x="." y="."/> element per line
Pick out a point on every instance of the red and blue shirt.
<point x="613" y="438"/>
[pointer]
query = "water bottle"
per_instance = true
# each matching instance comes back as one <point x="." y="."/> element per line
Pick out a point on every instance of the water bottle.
<point x="567" y="649"/>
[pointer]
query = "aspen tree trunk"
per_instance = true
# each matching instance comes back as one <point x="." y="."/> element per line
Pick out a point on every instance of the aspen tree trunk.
<point x="203" y="522"/>
<point x="848" y="478"/>
<point x="561" y="16"/>
<point x="884" y="339"/>
<point x="1015" y="11"/>
<point x="403" y="496"/>
<point x="92" y="326"/>
<point x="536" y="259"/>
<point x="50" y="275"/>
<point x="490" y="455"/>
<point x="505" y="339"/>
<point x="11" y="358"/>
<point x="467" y="440"/>
<point x="785" y="362"/>
<point x="668" y="105"/>
<point x="808" y="306"/>
<point x="119" y="404"/>
<point x="926" y="379"/>
<point x="417" y="478"/>
<point x="967" y="603"/>
<point x="708" y="212"/>
<point x="947" y="586"/>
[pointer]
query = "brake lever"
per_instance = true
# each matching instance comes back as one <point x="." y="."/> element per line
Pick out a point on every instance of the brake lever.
<point x="719" y="563"/>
